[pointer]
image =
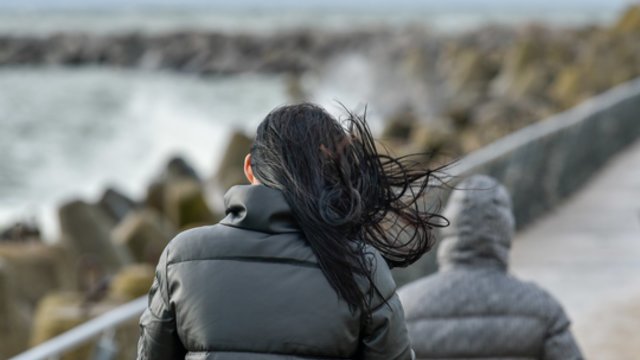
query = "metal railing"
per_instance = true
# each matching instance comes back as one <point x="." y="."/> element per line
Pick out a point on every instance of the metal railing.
<point x="103" y="325"/>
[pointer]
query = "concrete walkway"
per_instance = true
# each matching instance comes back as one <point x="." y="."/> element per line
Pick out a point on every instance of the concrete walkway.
<point x="587" y="253"/>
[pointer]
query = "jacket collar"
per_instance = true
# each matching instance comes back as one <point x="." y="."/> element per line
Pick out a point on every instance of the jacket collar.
<point x="258" y="208"/>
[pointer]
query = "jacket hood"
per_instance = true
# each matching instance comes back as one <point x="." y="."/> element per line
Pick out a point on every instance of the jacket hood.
<point x="481" y="225"/>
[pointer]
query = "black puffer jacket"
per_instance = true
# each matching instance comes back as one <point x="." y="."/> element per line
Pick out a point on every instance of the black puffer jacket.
<point x="473" y="309"/>
<point x="250" y="288"/>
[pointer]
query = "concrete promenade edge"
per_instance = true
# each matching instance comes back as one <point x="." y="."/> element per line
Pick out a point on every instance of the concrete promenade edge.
<point x="586" y="252"/>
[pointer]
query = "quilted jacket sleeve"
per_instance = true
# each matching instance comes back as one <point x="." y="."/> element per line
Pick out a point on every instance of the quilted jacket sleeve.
<point x="386" y="337"/>
<point x="559" y="343"/>
<point x="158" y="333"/>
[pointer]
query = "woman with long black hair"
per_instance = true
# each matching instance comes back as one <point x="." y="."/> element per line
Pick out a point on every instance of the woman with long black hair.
<point x="299" y="267"/>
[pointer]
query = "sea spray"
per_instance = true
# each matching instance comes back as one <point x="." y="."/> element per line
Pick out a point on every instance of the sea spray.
<point x="71" y="133"/>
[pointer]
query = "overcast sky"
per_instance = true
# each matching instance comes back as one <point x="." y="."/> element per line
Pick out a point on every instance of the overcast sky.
<point x="306" y="3"/>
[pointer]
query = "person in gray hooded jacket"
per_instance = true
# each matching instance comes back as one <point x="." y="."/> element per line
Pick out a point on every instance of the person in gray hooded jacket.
<point x="472" y="308"/>
<point x="298" y="269"/>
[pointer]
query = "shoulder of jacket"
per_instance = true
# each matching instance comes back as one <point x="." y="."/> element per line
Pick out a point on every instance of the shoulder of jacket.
<point x="184" y="240"/>
<point x="542" y="301"/>
<point x="426" y="286"/>
<point x="194" y="233"/>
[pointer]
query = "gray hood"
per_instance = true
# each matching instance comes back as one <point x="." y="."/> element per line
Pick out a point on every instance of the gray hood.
<point x="481" y="225"/>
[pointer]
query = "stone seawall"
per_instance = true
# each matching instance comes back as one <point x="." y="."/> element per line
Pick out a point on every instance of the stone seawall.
<point x="548" y="161"/>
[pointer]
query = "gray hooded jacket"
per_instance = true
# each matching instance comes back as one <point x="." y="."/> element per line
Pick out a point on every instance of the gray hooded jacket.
<point x="472" y="309"/>
<point x="250" y="287"/>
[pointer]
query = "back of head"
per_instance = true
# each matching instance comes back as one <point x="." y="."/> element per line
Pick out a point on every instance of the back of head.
<point x="481" y="225"/>
<point x="342" y="192"/>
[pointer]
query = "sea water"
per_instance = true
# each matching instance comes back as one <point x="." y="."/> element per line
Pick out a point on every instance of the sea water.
<point x="71" y="132"/>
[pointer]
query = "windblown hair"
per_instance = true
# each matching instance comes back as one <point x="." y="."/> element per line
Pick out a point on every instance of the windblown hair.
<point x="345" y="195"/>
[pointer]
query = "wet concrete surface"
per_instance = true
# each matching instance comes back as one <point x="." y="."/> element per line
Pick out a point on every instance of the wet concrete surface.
<point x="587" y="254"/>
